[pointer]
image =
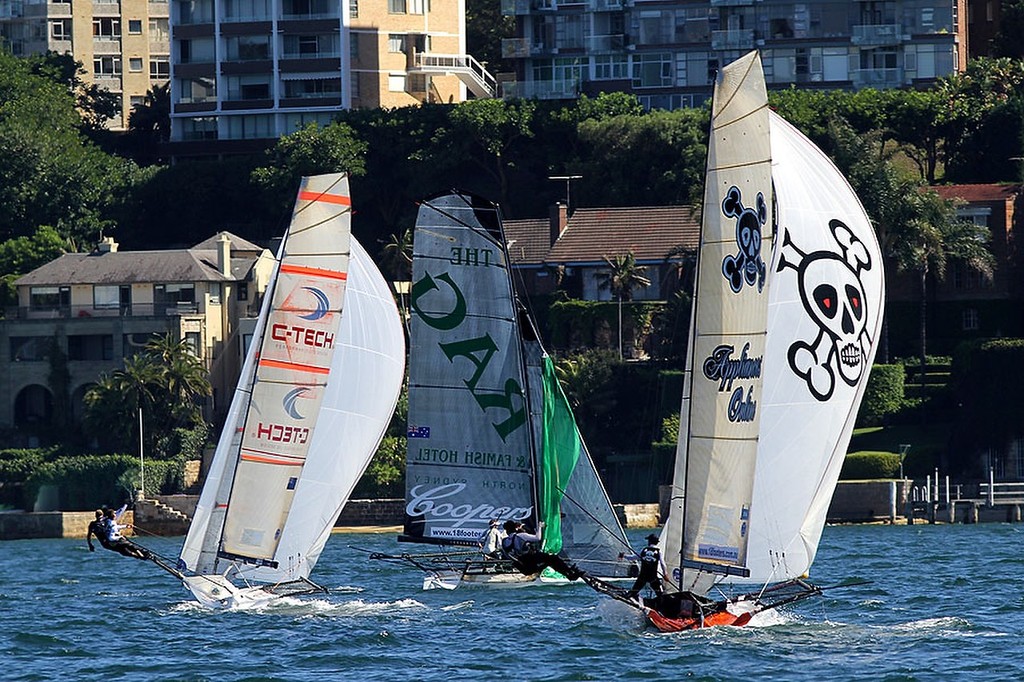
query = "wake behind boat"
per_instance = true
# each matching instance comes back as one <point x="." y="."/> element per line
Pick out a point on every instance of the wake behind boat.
<point x="783" y="335"/>
<point x="317" y="390"/>
<point x="491" y="435"/>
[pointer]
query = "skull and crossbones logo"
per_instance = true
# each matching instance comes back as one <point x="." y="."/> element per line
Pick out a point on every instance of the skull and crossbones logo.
<point x="832" y="293"/>
<point x="747" y="265"/>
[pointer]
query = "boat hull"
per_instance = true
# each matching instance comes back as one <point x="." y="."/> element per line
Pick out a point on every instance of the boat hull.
<point x="217" y="592"/>
<point x="681" y="624"/>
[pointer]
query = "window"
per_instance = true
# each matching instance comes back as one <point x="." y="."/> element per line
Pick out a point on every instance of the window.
<point x="312" y="87"/>
<point x="160" y="68"/>
<point x="193" y="341"/>
<point x="196" y="90"/>
<point x="106" y="66"/>
<point x="174" y="297"/>
<point x="215" y="292"/>
<point x="106" y="296"/>
<point x="29" y="348"/>
<point x="396" y="6"/>
<point x="135" y="64"/>
<point x="353" y="46"/>
<point x="248" y="48"/>
<point x="136" y="101"/>
<point x="135" y="27"/>
<point x="652" y="70"/>
<point x="49" y="298"/>
<point x="159" y="30"/>
<point x="257" y="126"/>
<point x="243" y="291"/>
<point x="396" y="42"/>
<point x="396" y="82"/>
<point x="308" y="46"/>
<point x="61" y="29"/>
<point x="196" y="50"/>
<point x="970" y="319"/>
<point x="611" y="67"/>
<point x="312" y="46"/>
<point x="417" y="6"/>
<point x="87" y="347"/>
<point x="106" y="27"/>
<point x="353" y="9"/>
<point x="201" y="128"/>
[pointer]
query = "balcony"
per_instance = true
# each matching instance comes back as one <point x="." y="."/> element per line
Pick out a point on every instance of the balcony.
<point x="87" y="312"/>
<point x="468" y="70"/>
<point x="876" y="34"/>
<point x="734" y="39"/>
<point x="106" y="45"/>
<point x="604" y="5"/>
<point x="877" y="78"/>
<point x="560" y="89"/>
<point x="511" y="8"/>
<point x="614" y="42"/>
<point x="515" y="48"/>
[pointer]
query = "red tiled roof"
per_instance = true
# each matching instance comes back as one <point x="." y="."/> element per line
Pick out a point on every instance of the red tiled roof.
<point x="592" y="234"/>
<point x="528" y="240"/>
<point x="978" y="192"/>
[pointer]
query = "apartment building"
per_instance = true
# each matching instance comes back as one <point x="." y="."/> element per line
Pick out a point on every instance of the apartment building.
<point x="102" y="307"/>
<point x="245" y="71"/>
<point x="123" y="45"/>
<point x="667" y="52"/>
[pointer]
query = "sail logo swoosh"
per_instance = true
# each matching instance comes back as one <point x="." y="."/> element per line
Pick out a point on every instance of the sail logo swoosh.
<point x="290" y="398"/>
<point x="322" y="304"/>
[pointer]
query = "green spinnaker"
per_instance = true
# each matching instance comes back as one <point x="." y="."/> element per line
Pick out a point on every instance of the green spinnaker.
<point x="560" y="450"/>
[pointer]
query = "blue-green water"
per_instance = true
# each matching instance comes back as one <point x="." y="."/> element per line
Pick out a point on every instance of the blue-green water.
<point x="945" y="603"/>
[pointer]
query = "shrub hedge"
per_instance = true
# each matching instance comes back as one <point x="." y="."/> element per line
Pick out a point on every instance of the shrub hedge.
<point x="870" y="465"/>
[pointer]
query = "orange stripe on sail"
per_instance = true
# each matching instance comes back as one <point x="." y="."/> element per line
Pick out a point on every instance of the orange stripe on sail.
<point x="306" y="195"/>
<point x="279" y="364"/>
<point x="271" y="460"/>
<point x="313" y="272"/>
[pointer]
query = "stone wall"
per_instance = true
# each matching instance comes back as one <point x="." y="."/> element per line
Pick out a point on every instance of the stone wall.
<point x="373" y="513"/>
<point x="858" y="501"/>
<point x="26" y="525"/>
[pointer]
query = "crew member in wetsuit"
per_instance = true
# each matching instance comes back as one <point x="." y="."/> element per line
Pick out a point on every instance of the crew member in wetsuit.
<point x="490" y="540"/>
<point x="118" y="543"/>
<point x="522" y="548"/>
<point x="97" y="528"/>
<point x="651" y="568"/>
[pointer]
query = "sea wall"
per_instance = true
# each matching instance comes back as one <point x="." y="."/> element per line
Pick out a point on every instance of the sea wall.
<point x="27" y="525"/>
<point x="868" y="501"/>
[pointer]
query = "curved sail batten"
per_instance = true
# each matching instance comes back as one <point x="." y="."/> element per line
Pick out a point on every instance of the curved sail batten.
<point x="489" y="437"/>
<point x="306" y="417"/>
<point x="820" y="355"/>
<point x="717" y="451"/>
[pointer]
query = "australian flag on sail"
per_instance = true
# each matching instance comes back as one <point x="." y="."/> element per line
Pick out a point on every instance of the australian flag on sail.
<point x="418" y="432"/>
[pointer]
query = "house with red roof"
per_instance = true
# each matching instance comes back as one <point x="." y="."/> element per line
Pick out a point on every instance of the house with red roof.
<point x="966" y="305"/>
<point x="569" y="251"/>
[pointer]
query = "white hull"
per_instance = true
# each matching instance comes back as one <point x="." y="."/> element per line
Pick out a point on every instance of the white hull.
<point x="216" y="591"/>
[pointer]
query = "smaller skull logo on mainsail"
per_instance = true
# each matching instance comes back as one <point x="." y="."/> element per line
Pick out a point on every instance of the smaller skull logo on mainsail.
<point x="832" y="293"/>
<point x="747" y="265"/>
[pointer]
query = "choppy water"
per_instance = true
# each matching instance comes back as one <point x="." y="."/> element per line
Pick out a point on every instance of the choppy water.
<point x="945" y="603"/>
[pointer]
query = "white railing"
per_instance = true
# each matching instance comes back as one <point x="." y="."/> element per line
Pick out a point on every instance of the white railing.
<point x="734" y="39"/>
<point x="470" y="71"/>
<point x="876" y="34"/>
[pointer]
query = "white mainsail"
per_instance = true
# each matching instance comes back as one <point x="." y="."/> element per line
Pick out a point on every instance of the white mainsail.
<point x="317" y="390"/>
<point x="707" y="530"/>
<point x="490" y="435"/>
<point x="826" y="299"/>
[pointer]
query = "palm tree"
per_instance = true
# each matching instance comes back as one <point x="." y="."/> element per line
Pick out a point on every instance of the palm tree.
<point x="931" y="236"/>
<point x="397" y="260"/>
<point x="624" y="276"/>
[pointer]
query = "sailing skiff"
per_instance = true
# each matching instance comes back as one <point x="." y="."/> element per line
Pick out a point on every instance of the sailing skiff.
<point x="491" y="434"/>
<point x="788" y="308"/>
<point x="317" y="390"/>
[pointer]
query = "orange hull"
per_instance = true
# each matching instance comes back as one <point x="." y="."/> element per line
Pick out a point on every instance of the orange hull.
<point x="679" y="624"/>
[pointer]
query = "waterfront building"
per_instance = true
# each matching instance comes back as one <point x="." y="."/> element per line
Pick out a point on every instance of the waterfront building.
<point x="667" y="52"/>
<point x="123" y="45"/>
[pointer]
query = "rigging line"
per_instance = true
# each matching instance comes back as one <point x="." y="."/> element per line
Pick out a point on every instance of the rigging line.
<point x="596" y="520"/>
<point x="341" y="176"/>
<point x="460" y="221"/>
<point x="326" y="220"/>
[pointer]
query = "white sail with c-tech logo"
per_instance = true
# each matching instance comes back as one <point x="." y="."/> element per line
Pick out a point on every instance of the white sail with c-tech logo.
<point x="316" y="392"/>
<point x="706" y="534"/>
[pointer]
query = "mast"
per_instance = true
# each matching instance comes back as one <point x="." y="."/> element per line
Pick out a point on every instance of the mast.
<point x="728" y="334"/>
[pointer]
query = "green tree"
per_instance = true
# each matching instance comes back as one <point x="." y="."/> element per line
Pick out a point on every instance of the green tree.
<point x="486" y="26"/>
<point x="312" y="150"/>
<point x="1009" y="40"/>
<point x="483" y="134"/>
<point x="931" y="235"/>
<point x="623" y="276"/>
<point x="165" y="381"/>
<point x="654" y="159"/>
<point x="21" y="255"/>
<point x="149" y="124"/>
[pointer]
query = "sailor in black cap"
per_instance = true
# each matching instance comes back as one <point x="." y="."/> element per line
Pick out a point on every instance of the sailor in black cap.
<point x="650" y="568"/>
